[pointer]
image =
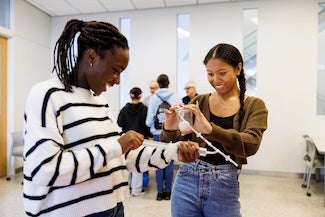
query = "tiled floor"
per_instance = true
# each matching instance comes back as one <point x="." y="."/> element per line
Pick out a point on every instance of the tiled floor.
<point x="261" y="196"/>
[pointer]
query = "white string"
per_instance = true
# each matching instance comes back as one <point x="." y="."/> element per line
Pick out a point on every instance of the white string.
<point x="198" y="134"/>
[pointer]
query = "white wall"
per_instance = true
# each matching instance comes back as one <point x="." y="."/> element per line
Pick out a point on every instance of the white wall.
<point x="28" y="59"/>
<point x="287" y="59"/>
<point x="286" y="63"/>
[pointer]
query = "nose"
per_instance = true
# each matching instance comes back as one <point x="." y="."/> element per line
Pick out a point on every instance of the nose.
<point x="213" y="79"/>
<point x="216" y="78"/>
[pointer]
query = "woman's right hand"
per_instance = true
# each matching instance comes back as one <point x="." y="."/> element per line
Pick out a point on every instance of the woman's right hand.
<point x="171" y="122"/>
<point x="130" y="140"/>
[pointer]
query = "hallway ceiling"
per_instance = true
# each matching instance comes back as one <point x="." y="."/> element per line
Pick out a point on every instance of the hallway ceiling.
<point x="76" y="7"/>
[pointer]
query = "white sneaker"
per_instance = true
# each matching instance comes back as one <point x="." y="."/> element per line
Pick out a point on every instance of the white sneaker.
<point x="138" y="194"/>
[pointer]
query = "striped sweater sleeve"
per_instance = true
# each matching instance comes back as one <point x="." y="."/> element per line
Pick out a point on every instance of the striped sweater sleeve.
<point x="147" y="158"/>
<point x="63" y="131"/>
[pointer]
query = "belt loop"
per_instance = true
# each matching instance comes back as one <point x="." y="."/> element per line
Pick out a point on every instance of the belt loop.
<point x="238" y="173"/>
<point x="195" y="164"/>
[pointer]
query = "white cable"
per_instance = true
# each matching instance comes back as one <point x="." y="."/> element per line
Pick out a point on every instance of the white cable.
<point x="184" y="125"/>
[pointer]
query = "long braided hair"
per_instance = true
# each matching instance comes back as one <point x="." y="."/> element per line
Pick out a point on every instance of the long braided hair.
<point x="232" y="56"/>
<point x="100" y="36"/>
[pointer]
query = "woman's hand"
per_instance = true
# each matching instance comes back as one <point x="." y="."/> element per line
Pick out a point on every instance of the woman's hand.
<point x="201" y="124"/>
<point x="188" y="151"/>
<point x="130" y="140"/>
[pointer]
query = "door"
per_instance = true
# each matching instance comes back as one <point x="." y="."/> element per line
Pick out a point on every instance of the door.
<point x="3" y="106"/>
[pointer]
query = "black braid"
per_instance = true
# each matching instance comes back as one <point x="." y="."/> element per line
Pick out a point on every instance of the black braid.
<point x="99" y="36"/>
<point x="232" y="56"/>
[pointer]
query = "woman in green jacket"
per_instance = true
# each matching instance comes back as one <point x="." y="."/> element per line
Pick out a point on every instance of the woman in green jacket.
<point x="226" y="121"/>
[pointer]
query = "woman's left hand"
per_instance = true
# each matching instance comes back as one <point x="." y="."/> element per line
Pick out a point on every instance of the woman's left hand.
<point x="201" y="124"/>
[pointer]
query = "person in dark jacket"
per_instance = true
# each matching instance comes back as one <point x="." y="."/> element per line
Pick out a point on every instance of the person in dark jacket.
<point x="133" y="117"/>
<point x="190" y="88"/>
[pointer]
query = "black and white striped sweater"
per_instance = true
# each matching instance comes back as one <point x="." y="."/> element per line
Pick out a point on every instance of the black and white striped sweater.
<point x="73" y="163"/>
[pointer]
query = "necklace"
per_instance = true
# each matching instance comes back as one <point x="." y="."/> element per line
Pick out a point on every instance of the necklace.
<point x="224" y="107"/>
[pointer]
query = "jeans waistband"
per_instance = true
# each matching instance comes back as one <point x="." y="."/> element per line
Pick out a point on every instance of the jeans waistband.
<point x="199" y="164"/>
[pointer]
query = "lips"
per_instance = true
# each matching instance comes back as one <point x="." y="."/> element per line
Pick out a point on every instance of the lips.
<point x="219" y="86"/>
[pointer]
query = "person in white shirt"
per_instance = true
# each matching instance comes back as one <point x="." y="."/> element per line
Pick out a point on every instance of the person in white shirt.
<point x="75" y="157"/>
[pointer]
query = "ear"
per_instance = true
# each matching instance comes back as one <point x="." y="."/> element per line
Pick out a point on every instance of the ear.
<point x="239" y="68"/>
<point x="91" y="56"/>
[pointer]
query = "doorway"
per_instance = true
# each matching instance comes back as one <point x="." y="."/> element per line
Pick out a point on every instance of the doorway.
<point x="3" y="106"/>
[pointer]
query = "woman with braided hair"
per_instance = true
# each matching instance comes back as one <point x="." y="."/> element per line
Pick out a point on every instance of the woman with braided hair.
<point x="230" y="121"/>
<point x="75" y="156"/>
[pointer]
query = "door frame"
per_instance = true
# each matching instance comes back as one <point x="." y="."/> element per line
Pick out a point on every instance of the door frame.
<point x="3" y="106"/>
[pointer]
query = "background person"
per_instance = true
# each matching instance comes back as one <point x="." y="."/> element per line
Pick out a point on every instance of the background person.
<point x="190" y="88"/>
<point x="164" y="177"/>
<point x="74" y="162"/>
<point x="153" y="86"/>
<point x="133" y="117"/>
<point x="233" y="122"/>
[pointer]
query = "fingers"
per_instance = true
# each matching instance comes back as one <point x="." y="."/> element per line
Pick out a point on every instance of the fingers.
<point x="188" y="151"/>
<point x="130" y="140"/>
<point x="193" y="108"/>
<point x="186" y="131"/>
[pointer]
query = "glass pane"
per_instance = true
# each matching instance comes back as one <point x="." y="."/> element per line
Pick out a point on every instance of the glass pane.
<point x="5" y="13"/>
<point x="321" y="61"/>
<point x="125" y="28"/>
<point x="183" y="41"/>
<point x="249" y="49"/>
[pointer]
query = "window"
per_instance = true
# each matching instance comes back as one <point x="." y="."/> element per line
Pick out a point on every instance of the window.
<point x="321" y="60"/>
<point x="5" y="13"/>
<point x="249" y="49"/>
<point x="183" y="41"/>
<point x="125" y="28"/>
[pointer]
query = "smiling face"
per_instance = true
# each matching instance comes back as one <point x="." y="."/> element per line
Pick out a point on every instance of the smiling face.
<point x="222" y="76"/>
<point x="103" y="72"/>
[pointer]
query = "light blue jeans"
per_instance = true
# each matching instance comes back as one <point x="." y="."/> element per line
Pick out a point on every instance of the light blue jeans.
<point x="205" y="190"/>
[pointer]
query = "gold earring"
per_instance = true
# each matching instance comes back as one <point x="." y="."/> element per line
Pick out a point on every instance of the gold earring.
<point x="90" y="65"/>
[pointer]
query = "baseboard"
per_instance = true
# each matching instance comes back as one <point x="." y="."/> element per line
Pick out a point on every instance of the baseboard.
<point x="272" y="173"/>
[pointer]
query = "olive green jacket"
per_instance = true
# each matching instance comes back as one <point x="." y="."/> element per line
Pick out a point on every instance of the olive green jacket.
<point x="243" y="140"/>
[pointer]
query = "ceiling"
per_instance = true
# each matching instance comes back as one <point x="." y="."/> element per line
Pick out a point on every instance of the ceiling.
<point x="75" y="7"/>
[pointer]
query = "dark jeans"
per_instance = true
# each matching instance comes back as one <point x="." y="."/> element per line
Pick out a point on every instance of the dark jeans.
<point x="117" y="211"/>
<point x="164" y="177"/>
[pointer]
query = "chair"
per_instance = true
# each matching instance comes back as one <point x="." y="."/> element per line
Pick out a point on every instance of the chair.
<point x="17" y="148"/>
<point x="313" y="160"/>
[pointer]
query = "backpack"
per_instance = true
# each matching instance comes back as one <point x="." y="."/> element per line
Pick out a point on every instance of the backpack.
<point x="160" y="114"/>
